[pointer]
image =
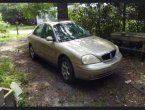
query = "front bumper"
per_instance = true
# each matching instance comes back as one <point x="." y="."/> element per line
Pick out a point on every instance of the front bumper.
<point x="98" y="70"/>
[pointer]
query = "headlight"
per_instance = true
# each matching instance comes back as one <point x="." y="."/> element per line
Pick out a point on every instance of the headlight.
<point x="117" y="49"/>
<point x="90" y="59"/>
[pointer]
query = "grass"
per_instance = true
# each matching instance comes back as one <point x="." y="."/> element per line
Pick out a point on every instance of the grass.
<point x="22" y="27"/>
<point x="8" y="73"/>
<point x="8" y="36"/>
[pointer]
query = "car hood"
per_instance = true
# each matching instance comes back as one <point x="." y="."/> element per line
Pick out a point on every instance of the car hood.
<point x="90" y="45"/>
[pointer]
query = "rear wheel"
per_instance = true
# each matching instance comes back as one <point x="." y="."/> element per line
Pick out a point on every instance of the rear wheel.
<point x="32" y="53"/>
<point x="66" y="70"/>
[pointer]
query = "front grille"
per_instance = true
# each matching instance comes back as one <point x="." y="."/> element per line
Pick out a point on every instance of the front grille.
<point x="108" y="56"/>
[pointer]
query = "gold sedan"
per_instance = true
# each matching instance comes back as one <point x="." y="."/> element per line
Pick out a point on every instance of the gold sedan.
<point x="73" y="50"/>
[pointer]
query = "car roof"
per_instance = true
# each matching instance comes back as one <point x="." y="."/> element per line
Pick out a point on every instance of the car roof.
<point x="52" y="23"/>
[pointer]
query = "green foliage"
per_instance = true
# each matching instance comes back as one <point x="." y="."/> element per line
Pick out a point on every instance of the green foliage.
<point x="31" y="10"/>
<point x="8" y="73"/>
<point x="24" y="13"/>
<point x="21" y="102"/>
<point x="7" y="37"/>
<point x="10" y="36"/>
<point x="102" y="19"/>
<point x="3" y="25"/>
<point x="98" y="19"/>
<point x="11" y="14"/>
<point x="52" y="13"/>
<point x="22" y="27"/>
<point x="135" y="18"/>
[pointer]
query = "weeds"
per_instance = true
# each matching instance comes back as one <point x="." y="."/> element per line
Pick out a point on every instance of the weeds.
<point x="7" y="37"/>
<point x="9" y="74"/>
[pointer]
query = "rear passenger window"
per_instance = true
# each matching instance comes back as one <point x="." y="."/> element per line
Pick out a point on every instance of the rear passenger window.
<point x="39" y="30"/>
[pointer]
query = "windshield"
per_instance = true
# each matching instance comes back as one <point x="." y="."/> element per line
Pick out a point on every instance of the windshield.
<point x="69" y="31"/>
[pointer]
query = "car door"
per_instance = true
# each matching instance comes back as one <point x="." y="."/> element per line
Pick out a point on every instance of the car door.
<point x="48" y="48"/>
<point x="36" y="39"/>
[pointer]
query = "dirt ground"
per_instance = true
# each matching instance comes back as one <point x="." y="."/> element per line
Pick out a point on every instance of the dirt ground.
<point x="44" y="86"/>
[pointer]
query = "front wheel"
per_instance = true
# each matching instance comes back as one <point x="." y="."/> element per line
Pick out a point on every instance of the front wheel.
<point x="67" y="71"/>
<point x="32" y="53"/>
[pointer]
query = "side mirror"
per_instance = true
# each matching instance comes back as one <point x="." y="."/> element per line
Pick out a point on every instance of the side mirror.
<point x="49" y="38"/>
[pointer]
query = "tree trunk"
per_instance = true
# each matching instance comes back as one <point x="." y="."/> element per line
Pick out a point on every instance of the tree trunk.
<point x="62" y="11"/>
<point x="144" y="26"/>
<point x="99" y="25"/>
<point x="124" y="17"/>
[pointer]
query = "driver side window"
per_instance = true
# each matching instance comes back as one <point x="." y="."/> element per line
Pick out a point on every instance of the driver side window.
<point x="48" y="31"/>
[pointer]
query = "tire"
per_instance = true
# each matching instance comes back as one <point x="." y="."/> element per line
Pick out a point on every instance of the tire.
<point x="32" y="53"/>
<point x="66" y="69"/>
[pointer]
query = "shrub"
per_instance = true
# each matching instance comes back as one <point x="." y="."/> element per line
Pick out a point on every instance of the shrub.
<point x="3" y="25"/>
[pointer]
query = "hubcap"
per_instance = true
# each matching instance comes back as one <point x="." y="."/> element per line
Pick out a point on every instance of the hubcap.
<point x="32" y="52"/>
<point x="65" y="70"/>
